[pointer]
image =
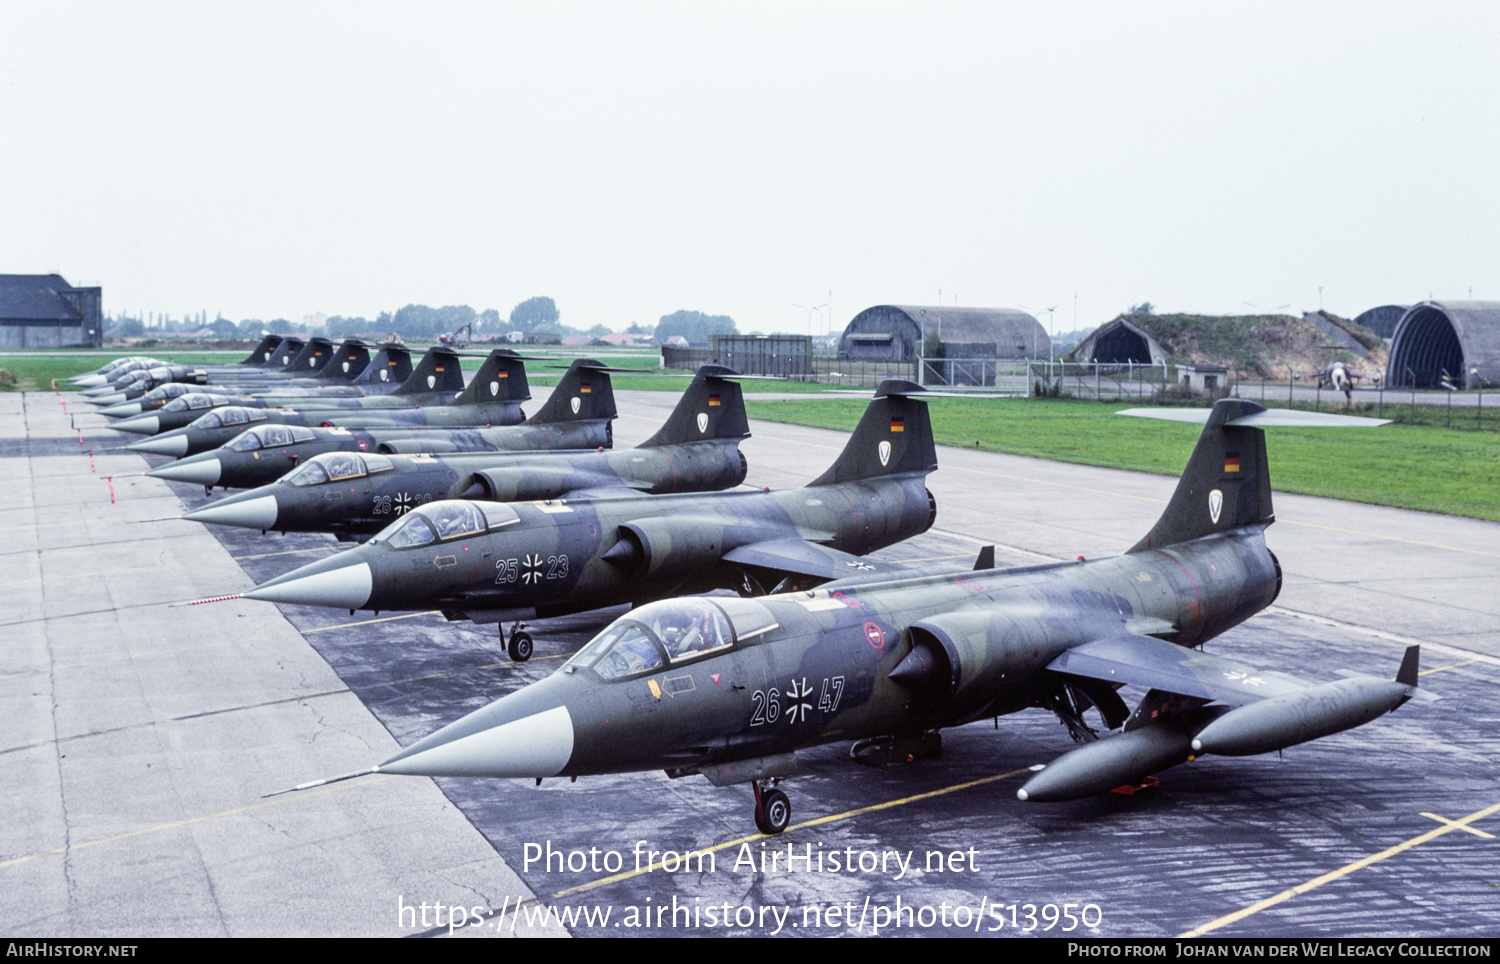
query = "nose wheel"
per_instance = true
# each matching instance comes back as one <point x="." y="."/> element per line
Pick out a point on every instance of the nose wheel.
<point x="520" y="647"/>
<point x="773" y="811"/>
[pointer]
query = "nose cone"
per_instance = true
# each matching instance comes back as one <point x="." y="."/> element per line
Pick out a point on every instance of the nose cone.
<point x="529" y="733"/>
<point x="168" y="444"/>
<point x="121" y="410"/>
<point x="341" y="582"/>
<point x="203" y="469"/>
<point x="139" y="424"/>
<point x="91" y="381"/>
<point x="250" y="510"/>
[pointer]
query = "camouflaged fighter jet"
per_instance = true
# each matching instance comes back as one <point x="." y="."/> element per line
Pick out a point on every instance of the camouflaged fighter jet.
<point x="437" y="380"/>
<point x="576" y="416"/>
<point x="317" y="352"/>
<point x="351" y="363"/>
<point x="491" y="561"/>
<point x="731" y="688"/>
<point x="337" y="375"/>
<point x="349" y="494"/>
<point x="388" y="367"/>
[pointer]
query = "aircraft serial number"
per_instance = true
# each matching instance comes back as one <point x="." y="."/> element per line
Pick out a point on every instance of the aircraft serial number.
<point x="768" y="708"/>
<point x="530" y="569"/>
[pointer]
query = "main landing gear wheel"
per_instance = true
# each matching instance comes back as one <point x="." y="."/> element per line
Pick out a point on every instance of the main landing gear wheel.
<point x="773" y="811"/>
<point x="520" y="647"/>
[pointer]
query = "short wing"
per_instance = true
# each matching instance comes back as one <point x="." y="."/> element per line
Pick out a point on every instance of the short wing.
<point x="1160" y="665"/>
<point x="799" y="557"/>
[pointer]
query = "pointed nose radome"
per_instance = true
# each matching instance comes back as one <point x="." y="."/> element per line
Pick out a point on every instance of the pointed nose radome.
<point x="204" y="473"/>
<point x="538" y="745"/>
<point x="162" y="445"/>
<point x="139" y="424"/>
<point x="121" y="410"/>
<point x="347" y="587"/>
<point x="257" y="513"/>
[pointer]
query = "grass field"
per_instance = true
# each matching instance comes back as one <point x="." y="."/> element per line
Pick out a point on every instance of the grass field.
<point x="1408" y="466"/>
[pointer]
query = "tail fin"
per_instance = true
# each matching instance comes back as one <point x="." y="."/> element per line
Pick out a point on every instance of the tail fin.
<point x="712" y="407"/>
<point x="1226" y="485"/>
<point x="502" y="378"/>
<point x="893" y="438"/>
<point x="282" y="356"/>
<point x="1408" y="673"/>
<point x="263" y="351"/>
<point x="349" y="361"/>
<point x="317" y="353"/>
<point x="438" y="371"/>
<point x="583" y="393"/>
<point x="390" y="365"/>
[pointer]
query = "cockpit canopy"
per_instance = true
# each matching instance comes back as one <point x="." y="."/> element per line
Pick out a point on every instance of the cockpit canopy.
<point x="193" y="400"/>
<point x="228" y="417"/>
<point x="169" y="390"/>
<point x="337" y="467"/>
<point x="671" y="631"/>
<point x="270" y="436"/>
<point x="437" y="521"/>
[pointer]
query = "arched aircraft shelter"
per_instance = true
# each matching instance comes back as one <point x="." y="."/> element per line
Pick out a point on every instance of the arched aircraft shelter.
<point x="1456" y="340"/>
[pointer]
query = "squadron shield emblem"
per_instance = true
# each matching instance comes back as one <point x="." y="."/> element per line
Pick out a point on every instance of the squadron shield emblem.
<point x="346" y="366"/>
<point x="1215" y="504"/>
<point x="885" y="453"/>
<point x="494" y="389"/>
<point x="577" y="404"/>
<point x="431" y="380"/>
<point x="702" y="422"/>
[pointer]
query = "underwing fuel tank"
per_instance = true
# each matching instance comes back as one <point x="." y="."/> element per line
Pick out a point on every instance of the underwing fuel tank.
<point x="1114" y="761"/>
<point x="1294" y="718"/>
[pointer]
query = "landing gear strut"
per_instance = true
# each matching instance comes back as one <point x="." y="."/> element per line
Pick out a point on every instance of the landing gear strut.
<point x="773" y="811"/>
<point x="520" y="647"/>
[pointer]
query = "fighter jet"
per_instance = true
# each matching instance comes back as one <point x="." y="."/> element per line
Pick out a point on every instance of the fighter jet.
<point x="437" y="380"/>
<point x="491" y="561"/>
<point x="576" y="416"/>
<point x="732" y="688"/>
<point x="352" y="361"/>
<point x="1336" y="376"/>
<point x="349" y="494"/>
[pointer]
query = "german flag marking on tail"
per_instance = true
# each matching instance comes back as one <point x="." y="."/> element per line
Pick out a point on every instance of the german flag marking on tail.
<point x="898" y="425"/>
<point x="585" y="389"/>
<point x="1231" y="461"/>
<point x="713" y="401"/>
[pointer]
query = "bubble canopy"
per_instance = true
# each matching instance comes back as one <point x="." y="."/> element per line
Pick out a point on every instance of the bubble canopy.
<point x="229" y="415"/>
<point x="439" y="521"/>
<point x="270" y="436"/>
<point x="671" y="632"/>
<point x="337" y="467"/>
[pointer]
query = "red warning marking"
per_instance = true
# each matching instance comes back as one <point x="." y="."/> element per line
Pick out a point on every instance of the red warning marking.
<point x="971" y="586"/>
<point x="875" y="635"/>
<point x="1130" y="790"/>
<point x="80" y="436"/>
<point x="111" y="491"/>
<point x="91" y="461"/>
<point x="850" y="603"/>
<point x="199" y="602"/>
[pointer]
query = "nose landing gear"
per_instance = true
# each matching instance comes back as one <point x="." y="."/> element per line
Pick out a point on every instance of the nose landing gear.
<point x="773" y="811"/>
<point x="520" y="647"/>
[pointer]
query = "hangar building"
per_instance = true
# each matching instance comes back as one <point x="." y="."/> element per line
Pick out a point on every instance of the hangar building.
<point x="44" y="311"/>
<point x="1460" y="339"/>
<point x="896" y="333"/>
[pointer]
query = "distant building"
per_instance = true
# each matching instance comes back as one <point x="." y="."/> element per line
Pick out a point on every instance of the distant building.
<point x="897" y="333"/>
<point x="1119" y="342"/>
<point x="1382" y="320"/>
<point x="44" y="311"/>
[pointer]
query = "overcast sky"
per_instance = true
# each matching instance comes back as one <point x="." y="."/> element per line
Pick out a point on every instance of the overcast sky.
<point x="631" y="159"/>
